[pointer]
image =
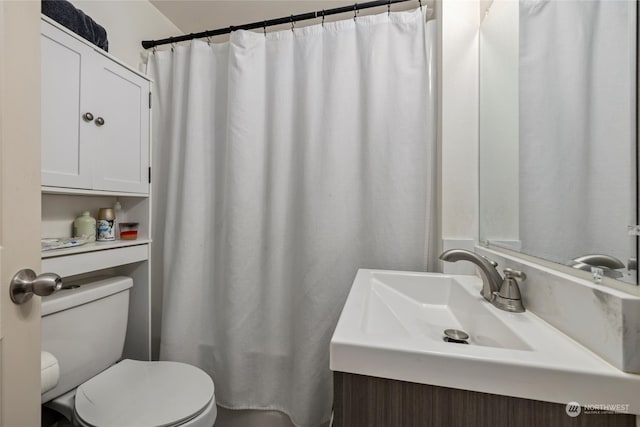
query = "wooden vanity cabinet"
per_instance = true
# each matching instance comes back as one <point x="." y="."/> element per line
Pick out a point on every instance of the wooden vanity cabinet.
<point x="365" y="401"/>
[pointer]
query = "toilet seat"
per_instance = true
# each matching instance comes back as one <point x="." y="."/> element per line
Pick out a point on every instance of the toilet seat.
<point x="150" y="394"/>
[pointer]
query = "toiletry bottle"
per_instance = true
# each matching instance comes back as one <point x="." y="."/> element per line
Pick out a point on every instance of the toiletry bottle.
<point x="117" y="209"/>
<point x="106" y="220"/>
<point x="85" y="226"/>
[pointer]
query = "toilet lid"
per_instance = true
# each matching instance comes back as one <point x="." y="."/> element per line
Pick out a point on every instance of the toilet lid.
<point x="144" y="394"/>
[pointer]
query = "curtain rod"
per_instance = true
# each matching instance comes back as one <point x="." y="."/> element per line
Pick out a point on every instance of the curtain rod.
<point x="147" y="44"/>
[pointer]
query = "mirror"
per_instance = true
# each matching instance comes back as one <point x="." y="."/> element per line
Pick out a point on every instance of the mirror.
<point x="558" y="150"/>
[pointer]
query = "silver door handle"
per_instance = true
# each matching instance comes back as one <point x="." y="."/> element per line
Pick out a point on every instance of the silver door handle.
<point x="25" y="284"/>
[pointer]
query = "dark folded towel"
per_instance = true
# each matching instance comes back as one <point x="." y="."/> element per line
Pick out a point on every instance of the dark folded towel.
<point x="77" y="21"/>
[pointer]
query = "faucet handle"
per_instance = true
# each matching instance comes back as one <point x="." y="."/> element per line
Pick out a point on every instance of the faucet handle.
<point x="509" y="298"/>
<point x="510" y="273"/>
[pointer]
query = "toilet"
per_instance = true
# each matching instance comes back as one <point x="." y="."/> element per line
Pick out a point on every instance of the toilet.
<point x="84" y="328"/>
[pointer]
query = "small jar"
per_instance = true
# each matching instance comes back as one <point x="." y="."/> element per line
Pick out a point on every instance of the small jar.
<point x="128" y="230"/>
<point x="85" y="226"/>
<point x="106" y="225"/>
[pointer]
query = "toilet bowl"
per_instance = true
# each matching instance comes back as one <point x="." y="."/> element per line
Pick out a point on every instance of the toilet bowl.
<point x="84" y="328"/>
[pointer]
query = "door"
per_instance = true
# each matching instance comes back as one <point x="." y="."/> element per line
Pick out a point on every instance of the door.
<point x="121" y="160"/>
<point x="19" y="209"/>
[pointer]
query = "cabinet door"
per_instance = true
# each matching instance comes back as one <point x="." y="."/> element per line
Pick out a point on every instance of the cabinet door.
<point x="121" y="160"/>
<point x="66" y="161"/>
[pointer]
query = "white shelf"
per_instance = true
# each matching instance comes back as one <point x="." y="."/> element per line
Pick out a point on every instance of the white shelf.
<point x="86" y="262"/>
<point x="93" y="247"/>
<point x="85" y="192"/>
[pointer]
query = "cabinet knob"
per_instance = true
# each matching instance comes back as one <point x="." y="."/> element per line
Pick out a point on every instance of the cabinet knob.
<point x="99" y="121"/>
<point x="88" y="117"/>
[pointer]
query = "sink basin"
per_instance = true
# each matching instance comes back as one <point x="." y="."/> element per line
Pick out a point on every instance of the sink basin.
<point x="392" y="326"/>
<point x="424" y="305"/>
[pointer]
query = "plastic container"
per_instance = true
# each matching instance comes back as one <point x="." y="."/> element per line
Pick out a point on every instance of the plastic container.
<point x="128" y="230"/>
<point x="85" y="226"/>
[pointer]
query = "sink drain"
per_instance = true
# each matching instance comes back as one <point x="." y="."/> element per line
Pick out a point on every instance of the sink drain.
<point x="455" y="336"/>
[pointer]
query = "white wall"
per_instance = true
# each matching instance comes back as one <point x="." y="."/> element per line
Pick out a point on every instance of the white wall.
<point x="459" y="21"/>
<point x="128" y="22"/>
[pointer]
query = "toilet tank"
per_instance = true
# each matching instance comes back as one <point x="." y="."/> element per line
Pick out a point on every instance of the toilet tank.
<point x="84" y="327"/>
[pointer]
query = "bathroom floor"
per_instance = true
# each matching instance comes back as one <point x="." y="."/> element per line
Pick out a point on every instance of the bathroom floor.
<point x="50" y="418"/>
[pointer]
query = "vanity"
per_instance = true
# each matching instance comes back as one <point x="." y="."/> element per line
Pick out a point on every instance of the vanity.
<point x="383" y="402"/>
<point x="394" y="366"/>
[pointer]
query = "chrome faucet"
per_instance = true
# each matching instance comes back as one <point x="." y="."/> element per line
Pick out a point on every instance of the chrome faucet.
<point x="609" y="264"/>
<point x="491" y="279"/>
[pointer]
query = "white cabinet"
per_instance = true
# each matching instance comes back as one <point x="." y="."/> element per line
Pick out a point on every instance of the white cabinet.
<point x="65" y="162"/>
<point x="95" y="118"/>
<point x="90" y="161"/>
<point x="121" y="161"/>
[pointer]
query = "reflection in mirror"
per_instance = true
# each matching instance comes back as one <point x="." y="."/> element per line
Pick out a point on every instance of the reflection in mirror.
<point x="558" y="132"/>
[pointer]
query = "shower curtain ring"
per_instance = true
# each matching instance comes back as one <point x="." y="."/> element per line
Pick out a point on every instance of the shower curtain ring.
<point x="322" y="18"/>
<point x="389" y="8"/>
<point x="264" y="28"/>
<point x="355" y="10"/>
<point x="154" y="49"/>
<point x="420" y="1"/>
<point x="292" y="23"/>
<point x="209" y="40"/>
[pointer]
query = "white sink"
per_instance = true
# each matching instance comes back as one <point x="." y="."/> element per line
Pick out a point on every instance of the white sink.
<point x="423" y="306"/>
<point x="392" y="326"/>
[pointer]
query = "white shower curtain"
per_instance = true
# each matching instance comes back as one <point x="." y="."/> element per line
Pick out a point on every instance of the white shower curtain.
<point x="577" y="127"/>
<point x="283" y="163"/>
